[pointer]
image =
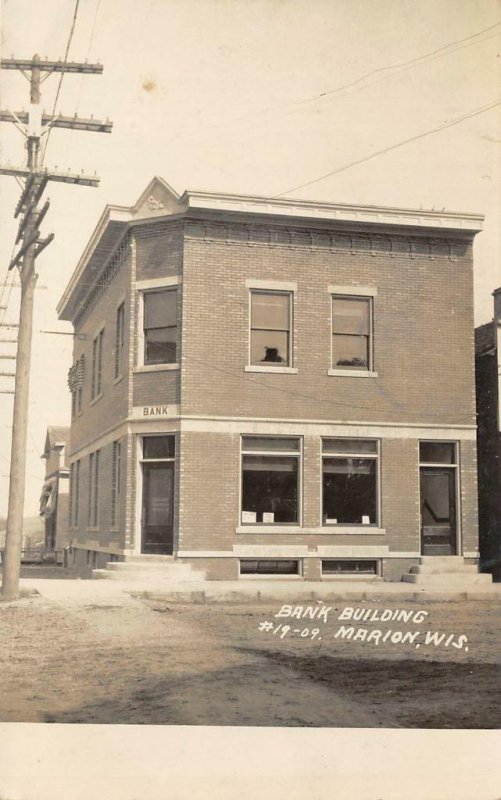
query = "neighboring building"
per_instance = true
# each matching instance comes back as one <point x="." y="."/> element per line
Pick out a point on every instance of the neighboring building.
<point x="488" y="379"/>
<point x="273" y="387"/>
<point x="54" y="500"/>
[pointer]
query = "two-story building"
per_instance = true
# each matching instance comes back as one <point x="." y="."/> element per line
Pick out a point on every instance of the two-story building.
<point x="276" y="387"/>
<point x="488" y="380"/>
<point x="54" y="499"/>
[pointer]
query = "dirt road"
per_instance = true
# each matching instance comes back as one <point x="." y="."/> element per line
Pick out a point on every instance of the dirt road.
<point x="146" y="662"/>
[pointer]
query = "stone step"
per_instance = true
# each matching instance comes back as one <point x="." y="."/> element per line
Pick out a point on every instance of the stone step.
<point x="146" y="566"/>
<point x="444" y="569"/>
<point x="151" y="578"/>
<point x="147" y="558"/>
<point x="448" y="580"/>
<point x="442" y="559"/>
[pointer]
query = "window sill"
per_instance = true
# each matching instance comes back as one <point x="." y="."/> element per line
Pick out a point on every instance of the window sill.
<point x="351" y="577"/>
<point x="156" y="367"/>
<point x="352" y="373"/>
<point x="95" y="399"/>
<point x="353" y="530"/>
<point x="270" y="577"/>
<point x="283" y="370"/>
<point x="251" y="528"/>
<point x="339" y="530"/>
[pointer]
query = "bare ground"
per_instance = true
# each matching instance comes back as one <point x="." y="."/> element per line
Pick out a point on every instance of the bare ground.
<point x="147" y="662"/>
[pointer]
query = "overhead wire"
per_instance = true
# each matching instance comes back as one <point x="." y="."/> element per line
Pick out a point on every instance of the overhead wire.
<point x="383" y="151"/>
<point x="395" y="69"/>
<point x="56" y="99"/>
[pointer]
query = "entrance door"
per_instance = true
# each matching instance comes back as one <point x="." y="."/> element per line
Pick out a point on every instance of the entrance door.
<point x="438" y="511"/>
<point x="158" y="508"/>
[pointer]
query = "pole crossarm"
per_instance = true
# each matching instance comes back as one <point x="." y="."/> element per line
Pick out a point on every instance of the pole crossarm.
<point x="24" y="249"/>
<point x="27" y="64"/>
<point x="63" y="177"/>
<point x="33" y="124"/>
<point x="59" y="121"/>
<point x="40" y="215"/>
<point x="43" y="243"/>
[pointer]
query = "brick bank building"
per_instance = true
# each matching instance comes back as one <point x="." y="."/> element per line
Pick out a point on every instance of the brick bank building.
<point x="273" y="387"/>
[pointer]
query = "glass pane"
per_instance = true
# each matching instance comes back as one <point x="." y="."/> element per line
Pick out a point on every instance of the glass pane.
<point x="351" y="352"/>
<point x="350" y="316"/>
<point x="160" y="309"/>
<point x="270" y="311"/>
<point x="349" y="491"/>
<point x="268" y="567"/>
<point x="269" y="347"/>
<point x="269" y="443"/>
<point x="357" y="567"/>
<point x="435" y="497"/>
<point x="349" y="446"/>
<point x="158" y="495"/>
<point x="160" y="346"/>
<point x="158" y="447"/>
<point x="270" y="489"/>
<point x="437" y="452"/>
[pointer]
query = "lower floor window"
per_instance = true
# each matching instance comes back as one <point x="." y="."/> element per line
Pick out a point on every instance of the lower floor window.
<point x="345" y="567"/>
<point x="268" y="566"/>
<point x="270" y="472"/>
<point x="349" y="477"/>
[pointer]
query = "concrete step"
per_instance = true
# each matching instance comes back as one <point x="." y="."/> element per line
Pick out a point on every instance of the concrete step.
<point x="447" y="569"/>
<point x="448" y="580"/>
<point x="442" y="560"/>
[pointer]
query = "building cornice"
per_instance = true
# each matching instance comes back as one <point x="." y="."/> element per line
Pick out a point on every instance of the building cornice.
<point x="160" y="203"/>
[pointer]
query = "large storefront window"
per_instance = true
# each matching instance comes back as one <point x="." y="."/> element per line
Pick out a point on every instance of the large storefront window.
<point x="349" y="482"/>
<point x="270" y="477"/>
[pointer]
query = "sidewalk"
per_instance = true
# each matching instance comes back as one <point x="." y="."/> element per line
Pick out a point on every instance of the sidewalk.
<point x="113" y="592"/>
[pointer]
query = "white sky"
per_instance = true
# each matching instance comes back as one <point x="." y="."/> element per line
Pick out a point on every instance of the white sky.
<point x="247" y="96"/>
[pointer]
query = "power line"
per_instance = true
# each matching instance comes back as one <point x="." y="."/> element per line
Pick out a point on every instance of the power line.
<point x="403" y="142"/>
<point x="397" y="68"/>
<point x="402" y="64"/>
<point x="68" y="45"/>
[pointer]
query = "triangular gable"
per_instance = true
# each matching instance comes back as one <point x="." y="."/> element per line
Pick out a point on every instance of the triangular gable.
<point x="158" y="199"/>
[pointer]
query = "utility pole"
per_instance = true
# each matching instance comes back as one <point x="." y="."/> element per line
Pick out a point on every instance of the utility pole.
<point x="33" y="125"/>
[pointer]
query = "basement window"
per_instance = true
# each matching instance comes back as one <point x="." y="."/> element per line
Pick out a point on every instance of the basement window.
<point x="251" y="566"/>
<point x="352" y="567"/>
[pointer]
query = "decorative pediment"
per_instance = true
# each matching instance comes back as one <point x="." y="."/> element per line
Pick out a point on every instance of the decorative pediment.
<point x="157" y="200"/>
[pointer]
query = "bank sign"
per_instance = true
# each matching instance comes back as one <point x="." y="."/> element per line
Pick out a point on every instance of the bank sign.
<point x="155" y="411"/>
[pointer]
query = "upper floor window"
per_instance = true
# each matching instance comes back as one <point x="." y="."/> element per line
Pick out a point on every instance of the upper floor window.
<point x="97" y="365"/>
<point x="119" y="340"/>
<point x="271" y="324"/>
<point x="75" y="383"/>
<point x="351" y="333"/>
<point x="160" y="326"/>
